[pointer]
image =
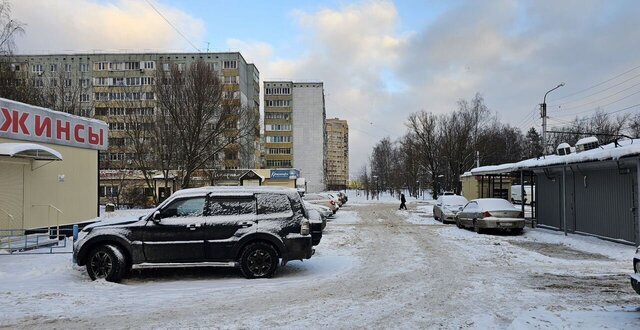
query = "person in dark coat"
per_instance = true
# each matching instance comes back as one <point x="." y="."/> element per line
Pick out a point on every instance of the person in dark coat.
<point x="402" y="202"/>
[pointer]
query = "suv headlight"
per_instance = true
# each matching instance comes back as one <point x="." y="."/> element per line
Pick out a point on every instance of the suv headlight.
<point x="636" y="266"/>
<point x="305" y="228"/>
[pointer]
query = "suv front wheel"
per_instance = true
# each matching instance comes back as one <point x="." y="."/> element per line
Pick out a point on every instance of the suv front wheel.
<point x="258" y="260"/>
<point x="107" y="262"/>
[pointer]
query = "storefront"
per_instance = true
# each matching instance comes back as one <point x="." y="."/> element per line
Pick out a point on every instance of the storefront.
<point x="48" y="166"/>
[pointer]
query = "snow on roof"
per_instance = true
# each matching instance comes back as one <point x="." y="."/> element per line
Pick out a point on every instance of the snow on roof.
<point x="627" y="148"/>
<point x="29" y="150"/>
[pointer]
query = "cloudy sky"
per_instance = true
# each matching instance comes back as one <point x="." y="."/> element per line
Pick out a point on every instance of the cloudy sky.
<point x="382" y="60"/>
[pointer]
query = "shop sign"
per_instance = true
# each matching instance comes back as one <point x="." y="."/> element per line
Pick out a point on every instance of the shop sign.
<point x="21" y="121"/>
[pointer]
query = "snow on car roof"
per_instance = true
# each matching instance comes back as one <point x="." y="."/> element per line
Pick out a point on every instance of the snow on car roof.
<point x="235" y="190"/>
<point x="454" y="200"/>
<point x="489" y="204"/>
<point x="626" y="148"/>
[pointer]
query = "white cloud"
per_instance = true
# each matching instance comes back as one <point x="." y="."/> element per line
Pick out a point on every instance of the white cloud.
<point x="84" y="25"/>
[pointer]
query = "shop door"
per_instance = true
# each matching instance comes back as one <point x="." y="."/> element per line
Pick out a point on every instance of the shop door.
<point x="11" y="196"/>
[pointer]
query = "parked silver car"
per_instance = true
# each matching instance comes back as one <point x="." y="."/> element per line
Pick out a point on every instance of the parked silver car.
<point x="447" y="207"/>
<point x="490" y="213"/>
<point x="321" y="200"/>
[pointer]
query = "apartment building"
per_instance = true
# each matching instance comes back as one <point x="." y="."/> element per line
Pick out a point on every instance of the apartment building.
<point x="337" y="154"/>
<point x="294" y="129"/>
<point x="110" y="86"/>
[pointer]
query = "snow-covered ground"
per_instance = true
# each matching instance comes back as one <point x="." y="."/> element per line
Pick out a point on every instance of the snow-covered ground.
<point x="376" y="267"/>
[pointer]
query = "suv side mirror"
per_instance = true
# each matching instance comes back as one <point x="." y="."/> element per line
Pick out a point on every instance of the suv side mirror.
<point x="156" y="216"/>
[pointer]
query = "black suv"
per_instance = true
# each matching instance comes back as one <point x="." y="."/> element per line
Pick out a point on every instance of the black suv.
<point x="250" y="228"/>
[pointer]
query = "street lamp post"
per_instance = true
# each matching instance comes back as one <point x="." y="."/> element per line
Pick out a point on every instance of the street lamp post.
<point x="543" y="114"/>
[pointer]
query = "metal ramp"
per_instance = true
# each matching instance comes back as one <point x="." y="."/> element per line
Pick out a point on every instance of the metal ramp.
<point x="16" y="241"/>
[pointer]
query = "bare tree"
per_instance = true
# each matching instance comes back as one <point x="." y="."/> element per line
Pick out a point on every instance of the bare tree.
<point x="208" y="119"/>
<point x="9" y="29"/>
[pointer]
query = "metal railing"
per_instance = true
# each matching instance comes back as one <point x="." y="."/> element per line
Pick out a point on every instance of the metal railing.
<point x="58" y="212"/>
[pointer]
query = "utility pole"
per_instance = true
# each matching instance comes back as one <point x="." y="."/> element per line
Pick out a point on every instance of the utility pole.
<point x="477" y="159"/>
<point x="543" y="115"/>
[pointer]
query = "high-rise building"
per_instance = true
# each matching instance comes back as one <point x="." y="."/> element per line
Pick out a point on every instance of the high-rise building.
<point x="110" y="86"/>
<point x="337" y="154"/>
<point x="294" y="129"/>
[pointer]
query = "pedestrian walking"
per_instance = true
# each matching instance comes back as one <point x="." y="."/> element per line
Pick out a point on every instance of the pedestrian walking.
<point x="402" y="202"/>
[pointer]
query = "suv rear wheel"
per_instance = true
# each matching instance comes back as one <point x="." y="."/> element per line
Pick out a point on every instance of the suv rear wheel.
<point x="107" y="262"/>
<point x="258" y="260"/>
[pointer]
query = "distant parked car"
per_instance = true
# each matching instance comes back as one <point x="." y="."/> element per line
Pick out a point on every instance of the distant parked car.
<point x="321" y="200"/>
<point x="341" y="196"/>
<point x="251" y="228"/>
<point x="490" y="213"/>
<point x="332" y="197"/>
<point x="635" y="277"/>
<point x="447" y="207"/>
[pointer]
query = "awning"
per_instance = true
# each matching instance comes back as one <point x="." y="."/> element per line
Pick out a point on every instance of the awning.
<point x="29" y="150"/>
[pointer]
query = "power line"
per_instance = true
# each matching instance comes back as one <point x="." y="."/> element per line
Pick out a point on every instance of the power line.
<point x="173" y="26"/>
<point x="598" y="100"/>
<point x="596" y="85"/>
<point x="590" y="110"/>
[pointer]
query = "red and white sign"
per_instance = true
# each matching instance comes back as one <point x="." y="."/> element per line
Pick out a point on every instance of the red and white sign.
<point x="21" y="121"/>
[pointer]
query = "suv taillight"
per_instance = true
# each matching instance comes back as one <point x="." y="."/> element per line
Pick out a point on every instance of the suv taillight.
<point x="486" y="214"/>
<point x="332" y="202"/>
<point x="305" y="228"/>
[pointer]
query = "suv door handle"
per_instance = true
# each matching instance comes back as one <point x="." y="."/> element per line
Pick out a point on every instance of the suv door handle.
<point x="246" y="224"/>
<point x="193" y="226"/>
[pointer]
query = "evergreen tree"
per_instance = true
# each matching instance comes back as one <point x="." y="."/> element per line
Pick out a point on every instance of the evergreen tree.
<point x="533" y="144"/>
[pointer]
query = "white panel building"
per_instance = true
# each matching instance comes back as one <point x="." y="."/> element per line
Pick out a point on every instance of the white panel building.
<point x="309" y="134"/>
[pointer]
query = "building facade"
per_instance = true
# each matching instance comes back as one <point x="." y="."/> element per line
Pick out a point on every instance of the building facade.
<point x="294" y="127"/>
<point x="48" y="167"/>
<point x="337" y="154"/>
<point x="111" y="86"/>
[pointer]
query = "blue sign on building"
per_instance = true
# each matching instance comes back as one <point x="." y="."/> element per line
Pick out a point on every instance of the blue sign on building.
<point x="285" y="174"/>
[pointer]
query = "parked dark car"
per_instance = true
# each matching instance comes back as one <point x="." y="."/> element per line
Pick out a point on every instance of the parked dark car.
<point x="250" y="228"/>
<point x="635" y="277"/>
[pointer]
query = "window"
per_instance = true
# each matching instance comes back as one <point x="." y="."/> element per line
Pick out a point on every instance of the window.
<point x="67" y="82"/>
<point x="102" y="81"/>
<point x="165" y="67"/>
<point x="100" y="66"/>
<point x="277" y="103"/>
<point x="232" y="206"/>
<point x="53" y="82"/>
<point x="230" y="64"/>
<point x="274" y="204"/>
<point x="116" y="66"/>
<point x="149" y="65"/>
<point x="15" y="67"/>
<point x="108" y="191"/>
<point x="116" y="156"/>
<point x="147" y="80"/>
<point x="278" y="127"/>
<point x="231" y="155"/>
<point x="68" y="97"/>
<point x="83" y="82"/>
<point x="38" y="83"/>
<point x="276" y="115"/>
<point x="53" y="67"/>
<point x="67" y="68"/>
<point x="278" y="91"/>
<point x="131" y="65"/>
<point x="180" y="66"/>
<point x="118" y="81"/>
<point x="84" y="67"/>
<point x="190" y="207"/>
<point x="231" y="80"/>
<point x="278" y="139"/>
<point x="279" y="151"/>
<point x="36" y="68"/>
<point x="278" y="163"/>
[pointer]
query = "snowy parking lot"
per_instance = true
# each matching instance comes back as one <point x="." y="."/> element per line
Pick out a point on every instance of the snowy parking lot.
<point x="376" y="267"/>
